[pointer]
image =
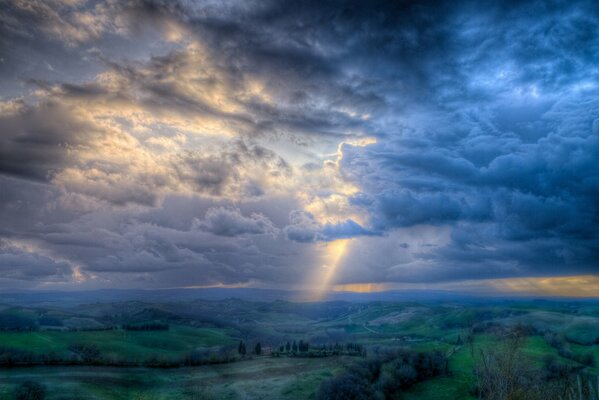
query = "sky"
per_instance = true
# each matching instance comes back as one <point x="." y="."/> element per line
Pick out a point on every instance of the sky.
<point x="315" y="145"/>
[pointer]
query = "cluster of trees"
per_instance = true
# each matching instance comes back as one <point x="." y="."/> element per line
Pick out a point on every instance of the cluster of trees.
<point x="242" y="349"/>
<point x="295" y="347"/>
<point x="505" y="372"/>
<point x="384" y="376"/>
<point x="88" y="353"/>
<point x="79" y="354"/>
<point x="47" y="320"/>
<point x="93" y="329"/>
<point x="305" y="349"/>
<point x="10" y="356"/>
<point x="558" y="342"/>
<point x="17" y="322"/>
<point x="152" y="326"/>
<point x="223" y="355"/>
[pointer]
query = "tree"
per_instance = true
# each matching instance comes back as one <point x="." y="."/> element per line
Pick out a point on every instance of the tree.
<point x="288" y="347"/>
<point x="294" y="347"/>
<point x="258" y="349"/>
<point x="502" y="372"/>
<point x="303" y="346"/>
<point x="241" y="348"/>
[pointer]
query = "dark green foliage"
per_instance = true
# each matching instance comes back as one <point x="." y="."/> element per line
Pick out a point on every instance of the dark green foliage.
<point x="385" y="376"/>
<point x="258" y="349"/>
<point x="154" y="326"/>
<point x="30" y="391"/>
<point x="303" y="346"/>
<point x="559" y="343"/>
<point x="241" y="348"/>
<point x="89" y="353"/>
<point x="347" y="387"/>
<point x="14" y="321"/>
<point x="10" y="356"/>
<point x="50" y="321"/>
<point x="556" y="370"/>
<point x="202" y="357"/>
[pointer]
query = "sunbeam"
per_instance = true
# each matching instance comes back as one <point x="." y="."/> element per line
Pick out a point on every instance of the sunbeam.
<point x="334" y="254"/>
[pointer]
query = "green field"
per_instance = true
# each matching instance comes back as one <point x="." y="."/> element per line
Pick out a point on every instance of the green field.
<point x="259" y="378"/>
<point x="214" y="328"/>
<point x="122" y="345"/>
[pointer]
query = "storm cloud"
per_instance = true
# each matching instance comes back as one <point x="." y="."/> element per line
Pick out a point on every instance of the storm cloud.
<point x="155" y="143"/>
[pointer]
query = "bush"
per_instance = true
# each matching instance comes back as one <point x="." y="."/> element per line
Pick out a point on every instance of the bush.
<point x="30" y="391"/>
<point x="587" y="359"/>
<point x="11" y="356"/>
<point x="88" y="352"/>
<point x="346" y="387"/>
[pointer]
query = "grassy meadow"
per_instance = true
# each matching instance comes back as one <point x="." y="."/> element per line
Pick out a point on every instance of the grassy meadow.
<point x="259" y="378"/>
<point x="152" y="359"/>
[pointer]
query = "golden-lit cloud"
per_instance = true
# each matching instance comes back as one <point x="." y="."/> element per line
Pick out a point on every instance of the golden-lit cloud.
<point x="361" y="287"/>
<point x="331" y="205"/>
<point x="567" y="286"/>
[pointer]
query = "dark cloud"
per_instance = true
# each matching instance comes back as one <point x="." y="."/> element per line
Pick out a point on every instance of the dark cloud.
<point x="230" y="222"/>
<point x="35" y="141"/>
<point x="18" y="263"/>
<point x="529" y="210"/>
<point x="185" y="142"/>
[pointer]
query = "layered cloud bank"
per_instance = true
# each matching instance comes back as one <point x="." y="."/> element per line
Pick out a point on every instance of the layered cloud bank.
<point x="287" y="144"/>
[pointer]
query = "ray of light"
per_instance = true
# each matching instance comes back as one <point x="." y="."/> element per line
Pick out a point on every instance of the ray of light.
<point x="334" y="253"/>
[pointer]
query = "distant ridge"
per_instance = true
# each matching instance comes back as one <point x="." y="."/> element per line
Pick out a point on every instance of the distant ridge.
<point x="67" y="298"/>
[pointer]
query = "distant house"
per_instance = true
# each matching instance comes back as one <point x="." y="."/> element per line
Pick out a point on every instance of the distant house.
<point x="53" y="328"/>
<point x="266" y="350"/>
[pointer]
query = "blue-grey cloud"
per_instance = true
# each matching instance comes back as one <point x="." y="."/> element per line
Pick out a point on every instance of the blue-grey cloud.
<point x="305" y="229"/>
<point x="230" y="222"/>
<point x="184" y="143"/>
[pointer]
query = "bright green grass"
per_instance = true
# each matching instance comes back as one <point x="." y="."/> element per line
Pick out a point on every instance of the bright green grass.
<point x="122" y="345"/>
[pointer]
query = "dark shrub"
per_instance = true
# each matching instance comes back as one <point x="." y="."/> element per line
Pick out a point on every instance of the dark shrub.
<point x="587" y="359"/>
<point x="384" y="376"/>
<point x="30" y="391"/>
<point x="88" y="352"/>
<point x="346" y="387"/>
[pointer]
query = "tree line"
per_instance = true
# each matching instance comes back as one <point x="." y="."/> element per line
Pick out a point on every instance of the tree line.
<point x="153" y="326"/>
<point x="384" y="376"/>
<point x="303" y="348"/>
